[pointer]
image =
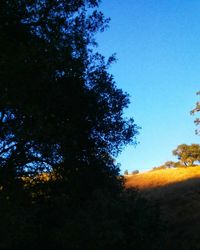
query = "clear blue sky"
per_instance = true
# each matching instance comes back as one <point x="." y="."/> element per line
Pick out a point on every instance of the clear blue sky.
<point x="158" y="49"/>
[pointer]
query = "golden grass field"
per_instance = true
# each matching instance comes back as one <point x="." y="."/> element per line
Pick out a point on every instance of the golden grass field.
<point x="164" y="177"/>
<point x="177" y="191"/>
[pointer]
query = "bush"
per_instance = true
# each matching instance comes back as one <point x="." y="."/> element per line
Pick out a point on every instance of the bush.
<point x="160" y="167"/>
<point x="126" y="172"/>
<point x="167" y="164"/>
<point x="135" y="172"/>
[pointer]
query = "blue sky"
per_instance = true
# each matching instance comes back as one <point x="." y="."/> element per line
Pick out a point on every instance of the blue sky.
<point x="158" y="50"/>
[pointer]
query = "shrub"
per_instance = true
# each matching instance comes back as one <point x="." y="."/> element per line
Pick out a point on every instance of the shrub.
<point x="135" y="172"/>
<point x="126" y="172"/>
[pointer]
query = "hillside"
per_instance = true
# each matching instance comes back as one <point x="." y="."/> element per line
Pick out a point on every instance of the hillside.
<point x="177" y="191"/>
<point x="164" y="177"/>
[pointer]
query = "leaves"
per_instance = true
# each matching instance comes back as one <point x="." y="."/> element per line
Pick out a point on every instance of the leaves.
<point x="195" y="111"/>
<point x="67" y="110"/>
<point x="188" y="154"/>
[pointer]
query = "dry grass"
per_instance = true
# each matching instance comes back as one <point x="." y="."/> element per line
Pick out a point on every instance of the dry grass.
<point x="164" y="177"/>
<point x="178" y="193"/>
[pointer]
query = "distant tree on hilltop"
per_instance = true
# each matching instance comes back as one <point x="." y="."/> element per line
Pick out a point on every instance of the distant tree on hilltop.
<point x="135" y="172"/>
<point x="170" y="164"/>
<point x="187" y="154"/>
<point x="166" y="165"/>
<point x="126" y="172"/>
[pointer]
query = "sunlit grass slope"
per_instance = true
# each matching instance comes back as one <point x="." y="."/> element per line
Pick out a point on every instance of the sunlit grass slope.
<point x="164" y="177"/>
<point x="177" y="191"/>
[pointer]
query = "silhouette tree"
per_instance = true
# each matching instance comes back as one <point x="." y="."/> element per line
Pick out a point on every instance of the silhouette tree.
<point x="60" y="108"/>
<point x="194" y="111"/>
<point x="61" y="113"/>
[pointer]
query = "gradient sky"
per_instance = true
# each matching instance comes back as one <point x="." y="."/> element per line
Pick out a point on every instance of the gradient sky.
<point x="158" y="50"/>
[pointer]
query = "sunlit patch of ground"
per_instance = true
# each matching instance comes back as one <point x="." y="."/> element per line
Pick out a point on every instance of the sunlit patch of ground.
<point x="177" y="191"/>
<point x="159" y="178"/>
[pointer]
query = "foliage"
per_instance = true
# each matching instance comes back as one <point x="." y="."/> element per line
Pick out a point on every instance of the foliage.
<point x="170" y="164"/>
<point x="159" y="167"/>
<point x="166" y="165"/>
<point x="60" y="108"/>
<point x="194" y="111"/>
<point x="126" y="172"/>
<point x="62" y="114"/>
<point x="188" y="154"/>
<point x="135" y="172"/>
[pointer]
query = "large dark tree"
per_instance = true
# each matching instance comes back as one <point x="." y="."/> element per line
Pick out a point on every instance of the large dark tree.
<point x="61" y="112"/>
<point x="60" y="108"/>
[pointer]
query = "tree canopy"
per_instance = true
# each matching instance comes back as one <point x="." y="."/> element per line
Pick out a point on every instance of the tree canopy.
<point x="188" y="154"/>
<point x="60" y="108"/>
<point x="61" y="113"/>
